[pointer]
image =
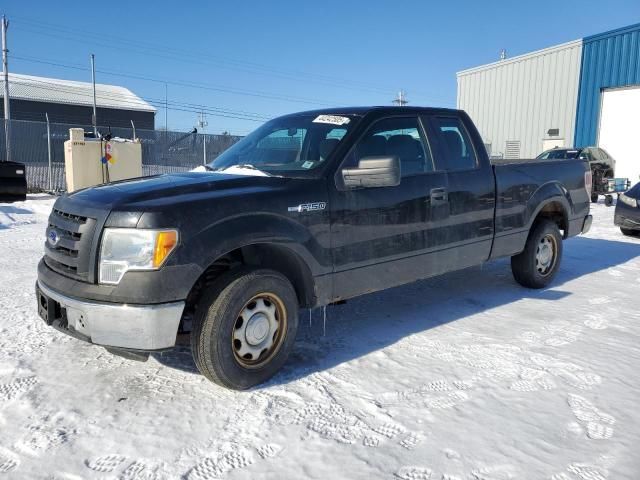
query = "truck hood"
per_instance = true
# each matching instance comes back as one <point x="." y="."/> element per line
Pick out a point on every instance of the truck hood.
<point x="170" y="189"/>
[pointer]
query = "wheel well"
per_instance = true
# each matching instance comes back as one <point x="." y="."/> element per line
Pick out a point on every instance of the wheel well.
<point x="555" y="212"/>
<point x="274" y="257"/>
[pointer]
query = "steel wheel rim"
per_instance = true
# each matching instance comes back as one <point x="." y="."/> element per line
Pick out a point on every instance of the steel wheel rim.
<point x="259" y="330"/>
<point x="546" y="255"/>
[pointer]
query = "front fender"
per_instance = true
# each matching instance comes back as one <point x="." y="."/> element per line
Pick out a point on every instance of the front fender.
<point x="258" y="228"/>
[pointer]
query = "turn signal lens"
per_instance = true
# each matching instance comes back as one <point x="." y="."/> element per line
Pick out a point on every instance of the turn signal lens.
<point x="166" y="241"/>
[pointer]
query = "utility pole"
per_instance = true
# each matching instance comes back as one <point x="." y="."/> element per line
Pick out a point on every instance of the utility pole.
<point x="46" y="115"/>
<point x="401" y="99"/>
<point x="202" y="124"/>
<point x="93" y="81"/>
<point x="166" y="108"/>
<point x="7" y="107"/>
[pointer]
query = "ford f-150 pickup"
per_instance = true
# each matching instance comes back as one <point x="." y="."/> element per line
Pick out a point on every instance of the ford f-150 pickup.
<point x="311" y="208"/>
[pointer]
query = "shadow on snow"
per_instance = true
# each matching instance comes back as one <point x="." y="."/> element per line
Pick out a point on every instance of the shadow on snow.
<point x="375" y="321"/>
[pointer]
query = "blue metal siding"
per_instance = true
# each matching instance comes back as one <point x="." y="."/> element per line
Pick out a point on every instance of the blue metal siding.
<point x="609" y="60"/>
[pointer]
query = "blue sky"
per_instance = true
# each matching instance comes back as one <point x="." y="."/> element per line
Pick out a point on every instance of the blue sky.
<point x="263" y="59"/>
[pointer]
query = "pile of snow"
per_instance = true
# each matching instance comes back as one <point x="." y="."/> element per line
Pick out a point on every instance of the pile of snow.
<point x="233" y="170"/>
<point x="465" y="376"/>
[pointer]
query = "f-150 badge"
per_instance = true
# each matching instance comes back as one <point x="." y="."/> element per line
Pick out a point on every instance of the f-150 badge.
<point x="308" y="207"/>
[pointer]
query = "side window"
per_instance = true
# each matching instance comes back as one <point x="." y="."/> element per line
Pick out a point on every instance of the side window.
<point x="400" y="137"/>
<point x="456" y="150"/>
<point x="594" y="154"/>
<point x="603" y="154"/>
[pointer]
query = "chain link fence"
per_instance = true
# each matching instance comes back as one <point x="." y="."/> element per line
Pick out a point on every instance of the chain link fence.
<point x="162" y="151"/>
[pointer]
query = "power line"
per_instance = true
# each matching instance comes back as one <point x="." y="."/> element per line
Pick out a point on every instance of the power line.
<point x="178" y="82"/>
<point x="206" y="58"/>
<point x="192" y="57"/>
<point x="183" y="107"/>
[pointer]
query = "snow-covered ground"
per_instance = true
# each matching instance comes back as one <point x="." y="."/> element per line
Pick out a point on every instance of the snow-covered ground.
<point x="467" y="376"/>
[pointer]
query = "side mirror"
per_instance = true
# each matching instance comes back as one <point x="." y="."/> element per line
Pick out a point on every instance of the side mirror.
<point x="375" y="171"/>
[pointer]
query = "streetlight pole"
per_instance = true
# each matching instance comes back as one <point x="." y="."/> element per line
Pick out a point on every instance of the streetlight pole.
<point x="93" y="81"/>
<point x="7" y="107"/>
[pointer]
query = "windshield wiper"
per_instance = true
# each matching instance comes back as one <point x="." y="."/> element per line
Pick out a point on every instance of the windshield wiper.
<point x="244" y="165"/>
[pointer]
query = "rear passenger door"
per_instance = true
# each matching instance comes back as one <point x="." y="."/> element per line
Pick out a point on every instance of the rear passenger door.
<point x="380" y="236"/>
<point x="471" y="191"/>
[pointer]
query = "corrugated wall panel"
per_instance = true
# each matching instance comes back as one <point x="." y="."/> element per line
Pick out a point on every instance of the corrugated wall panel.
<point x="609" y="60"/>
<point x="520" y="98"/>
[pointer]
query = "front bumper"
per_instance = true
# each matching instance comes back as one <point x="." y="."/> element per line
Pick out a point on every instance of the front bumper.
<point x="627" y="216"/>
<point x="131" y="327"/>
<point x="625" y="222"/>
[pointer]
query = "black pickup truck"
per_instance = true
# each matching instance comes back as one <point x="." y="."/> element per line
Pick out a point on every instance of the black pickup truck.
<point x="309" y="209"/>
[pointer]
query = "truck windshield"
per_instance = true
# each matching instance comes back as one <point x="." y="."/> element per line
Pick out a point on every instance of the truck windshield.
<point x="288" y="146"/>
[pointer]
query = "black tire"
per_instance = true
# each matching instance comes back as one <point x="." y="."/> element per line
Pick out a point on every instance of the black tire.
<point x="608" y="200"/>
<point x="594" y="198"/>
<point x="213" y="343"/>
<point x="526" y="270"/>
<point x="628" y="232"/>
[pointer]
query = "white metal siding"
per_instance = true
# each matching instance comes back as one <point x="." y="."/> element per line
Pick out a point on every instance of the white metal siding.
<point x="522" y="97"/>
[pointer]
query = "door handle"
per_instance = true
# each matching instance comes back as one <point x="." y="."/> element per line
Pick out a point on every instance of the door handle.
<point x="438" y="196"/>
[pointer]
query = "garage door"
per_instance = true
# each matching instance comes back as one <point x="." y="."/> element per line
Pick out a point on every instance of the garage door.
<point x="619" y="132"/>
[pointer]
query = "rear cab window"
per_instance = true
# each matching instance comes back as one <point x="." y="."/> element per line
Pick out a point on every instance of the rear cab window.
<point x="454" y="147"/>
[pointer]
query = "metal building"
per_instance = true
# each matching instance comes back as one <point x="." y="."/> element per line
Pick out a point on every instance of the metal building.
<point x="523" y="104"/>
<point x="71" y="102"/>
<point x="581" y="93"/>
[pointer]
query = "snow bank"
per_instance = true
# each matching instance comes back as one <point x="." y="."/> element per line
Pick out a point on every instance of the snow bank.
<point x="234" y="170"/>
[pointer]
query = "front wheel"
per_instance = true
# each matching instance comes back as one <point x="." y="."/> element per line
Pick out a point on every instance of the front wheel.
<point x="628" y="232"/>
<point x="594" y="198"/>
<point x="538" y="263"/>
<point x="245" y="327"/>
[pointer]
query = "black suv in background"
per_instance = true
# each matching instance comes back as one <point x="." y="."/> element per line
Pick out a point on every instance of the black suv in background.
<point x="602" y="164"/>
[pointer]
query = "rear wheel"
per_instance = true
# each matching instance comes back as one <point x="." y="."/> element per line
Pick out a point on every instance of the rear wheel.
<point x="594" y="198"/>
<point x="608" y="200"/>
<point x="628" y="232"/>
<point x="245" y="327"/>
<point x="538" y="263"/>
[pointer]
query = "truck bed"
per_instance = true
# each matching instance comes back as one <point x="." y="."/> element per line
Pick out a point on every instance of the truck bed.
<point x="522" y="183"/>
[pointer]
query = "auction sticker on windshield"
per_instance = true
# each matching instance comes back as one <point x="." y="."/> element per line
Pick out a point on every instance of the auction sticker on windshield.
<point x="332" y="119"/>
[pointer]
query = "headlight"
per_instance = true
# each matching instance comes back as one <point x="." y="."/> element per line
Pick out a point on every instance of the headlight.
<point x="125" y="249"/>
<point x="632" y="202"/>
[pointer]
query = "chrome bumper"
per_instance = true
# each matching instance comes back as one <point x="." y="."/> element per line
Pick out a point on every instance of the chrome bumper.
<point x="136" y="327"/>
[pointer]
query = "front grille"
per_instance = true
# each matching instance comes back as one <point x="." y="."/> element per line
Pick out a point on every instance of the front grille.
<point x="68" y="245"/>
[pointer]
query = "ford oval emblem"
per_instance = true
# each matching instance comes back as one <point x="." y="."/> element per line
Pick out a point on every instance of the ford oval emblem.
<point x="53" y="238"/>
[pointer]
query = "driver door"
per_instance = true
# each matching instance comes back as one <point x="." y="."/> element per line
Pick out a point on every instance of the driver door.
<point x="381" y="236"/>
